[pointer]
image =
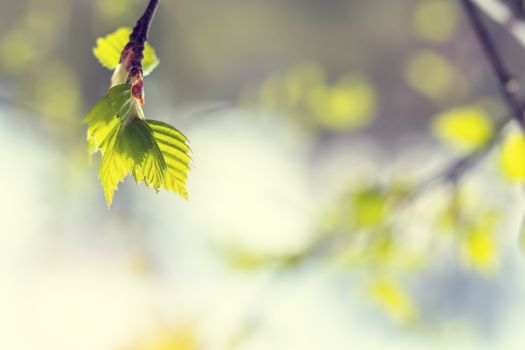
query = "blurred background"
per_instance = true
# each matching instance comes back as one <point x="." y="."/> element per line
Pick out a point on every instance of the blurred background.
<point x="307" y="119"/>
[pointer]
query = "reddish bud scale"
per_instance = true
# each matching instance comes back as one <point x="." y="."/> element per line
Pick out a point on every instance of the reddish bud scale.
<point x="137" y="90"/>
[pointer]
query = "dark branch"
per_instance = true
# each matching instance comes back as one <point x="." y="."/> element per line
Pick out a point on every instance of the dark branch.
<point x="138" y="38"/>
<point x="517" y="8"/>
<point x="508" y="86"/>
<point x="453" y="172"/>
<point x="141" y="30"/>
<point x="133" y="53"/>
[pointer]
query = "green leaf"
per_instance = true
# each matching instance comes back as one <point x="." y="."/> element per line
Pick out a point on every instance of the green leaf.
<point x="132" y="149"/>
<point x="121" y="100"/>
<point x="102" y="121"/>
<point x="152" y="169"/>
<point x="153" y="152"/>
<point x="466" y="128"/>
<point x="115" y="165"/>
<point x="109" y="49"/>
<point x="104" y="117"/>
<point x="174" y="148"/>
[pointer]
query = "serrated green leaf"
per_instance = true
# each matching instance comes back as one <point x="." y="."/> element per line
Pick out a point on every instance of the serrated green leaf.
<point x="121" y="100"/>
<point x="115" y="166"/>
<point x="109" y="49"/>
<point x="132" y="149"/>
<point x="102" y="121"/>
<point x="153" y="152"/>
<point x="174" y="148"/>
<point x="104" y="117"/>
<point x="152" y="169"/>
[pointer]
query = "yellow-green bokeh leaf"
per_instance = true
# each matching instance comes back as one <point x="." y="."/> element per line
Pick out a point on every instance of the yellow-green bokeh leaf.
<point x="466" y="128"/>
<point x="512" y="156"/>
<point x="435" y="20"/>
<point x="61" y="98"/>
<point x="109" y="49"/>
<point x="183" y="338"/>
<point x="369" y="207"/>
<point x="394" y="301"/>
<point x="480" y="248"/>
<point x="113" y="9"/>
<point x="349" y="104"/>
<point x="431" y="74"/>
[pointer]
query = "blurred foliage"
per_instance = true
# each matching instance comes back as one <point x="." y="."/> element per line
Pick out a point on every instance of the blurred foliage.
<point x="28" y="56"/>
<point x="435" y="20"/>
<point x="303" y="92"/>
<point x="111" y="10"/>
<point x="393" y="299"/>
<point x="432" y="75"/>
<point x="362" y="233"/>
<point x="182" y="338"/>
<point x="512" y="156"/>
<point x="466" y="128"/>
<point x="33" y="35"/>
<point x="242" y="259"/>
<point x="480" y="246"/>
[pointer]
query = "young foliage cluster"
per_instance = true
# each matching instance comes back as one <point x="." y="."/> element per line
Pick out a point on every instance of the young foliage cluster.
<point x="151" y="151"/>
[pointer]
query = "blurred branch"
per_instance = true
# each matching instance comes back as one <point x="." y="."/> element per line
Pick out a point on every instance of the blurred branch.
<point x="453" y="172"/>
<point x="508" y="85"/>
<point x="511" y="16"/>
<point x="517" y="8"/>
